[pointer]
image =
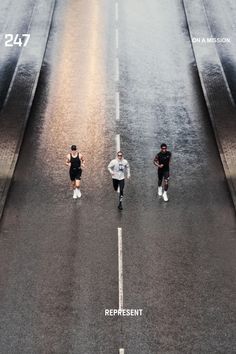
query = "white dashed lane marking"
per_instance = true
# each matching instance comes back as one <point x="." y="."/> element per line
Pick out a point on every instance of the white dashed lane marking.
<point x="117" y="142"/>
<point x="120" y="268"/>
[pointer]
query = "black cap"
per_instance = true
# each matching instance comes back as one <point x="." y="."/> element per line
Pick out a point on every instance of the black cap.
<point x="73" y="147"/>
<point x="163" y="145"/>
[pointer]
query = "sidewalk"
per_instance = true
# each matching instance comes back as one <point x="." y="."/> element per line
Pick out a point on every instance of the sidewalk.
<point x="215" y="89"/>
<point x="14" y="116"/>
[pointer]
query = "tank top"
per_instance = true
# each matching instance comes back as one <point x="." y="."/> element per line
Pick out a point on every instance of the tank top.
<point x="75" y="162"/>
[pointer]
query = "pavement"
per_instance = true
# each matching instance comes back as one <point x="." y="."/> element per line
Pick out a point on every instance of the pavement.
<point x="118" y="68"/>
<point x="215" y="87"/>
<point x="20" y="94"/>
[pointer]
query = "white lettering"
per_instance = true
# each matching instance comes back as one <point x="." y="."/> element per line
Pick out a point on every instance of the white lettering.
<point x="196" y="40"/>
<point x="124" y="312"/>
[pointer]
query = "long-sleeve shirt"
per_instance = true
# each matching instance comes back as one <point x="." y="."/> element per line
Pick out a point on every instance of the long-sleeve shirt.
<point x="118" y="168"/>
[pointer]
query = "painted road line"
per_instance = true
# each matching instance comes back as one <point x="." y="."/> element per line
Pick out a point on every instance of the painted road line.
<point x="117" y="38"/>
<point x="117" y="142"/>
<point x="121" y="351"/>
<point x="117" y="105"/>
<point x="117" y="69"/>
<point x="120" y="268"/>
<point x="117" y="12"/>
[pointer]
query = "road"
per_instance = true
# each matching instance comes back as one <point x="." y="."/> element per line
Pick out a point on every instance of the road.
<point x="223" y="24"/>
<point x="118" y="68"/>
<point x="11" y="15"/>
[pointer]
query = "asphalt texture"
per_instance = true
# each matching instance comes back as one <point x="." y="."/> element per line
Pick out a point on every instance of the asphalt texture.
<point x="222" y="20"/>
<point x="15" y="17"/>
<point x="58" y="256"/>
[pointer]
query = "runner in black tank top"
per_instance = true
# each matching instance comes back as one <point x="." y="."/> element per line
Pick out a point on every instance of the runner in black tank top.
<point x="75" y="166"/>
<point x="75" y="160"/>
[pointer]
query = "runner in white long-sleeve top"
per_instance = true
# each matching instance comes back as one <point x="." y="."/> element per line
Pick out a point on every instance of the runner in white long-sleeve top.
<point x="118" y="167"/>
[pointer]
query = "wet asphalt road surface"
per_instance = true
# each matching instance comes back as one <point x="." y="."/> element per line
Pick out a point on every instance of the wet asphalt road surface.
<point x="15" y="17"/>
<point x="59" y="268"/>
<point x="222" y="20"/>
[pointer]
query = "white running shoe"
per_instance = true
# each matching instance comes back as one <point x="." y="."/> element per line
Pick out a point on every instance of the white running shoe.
<point x="74" y="194"/>
<point x="160" y="191"/>
<point x="165" y="196"/>
<point x="78" y="193"/>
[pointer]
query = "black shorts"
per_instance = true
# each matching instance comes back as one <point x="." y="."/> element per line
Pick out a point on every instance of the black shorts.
<point x="163" y="174"/>
<point x="75" y="173"/>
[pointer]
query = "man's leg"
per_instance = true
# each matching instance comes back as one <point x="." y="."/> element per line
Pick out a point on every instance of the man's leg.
<point x="77" y="186"/>
<point x="74" y="189"/>
<point x="77" y="182"/>
<point x="166" y="185"/>
<point x="122" y="185"/>
<point x="115" y="183"/>
<point x="160" y="178"/>
<point x="72" y="178"/>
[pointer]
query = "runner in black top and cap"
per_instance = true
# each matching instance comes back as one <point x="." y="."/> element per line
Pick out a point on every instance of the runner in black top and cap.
<point x="75" y="160"/>
<point x="162" y="161"/>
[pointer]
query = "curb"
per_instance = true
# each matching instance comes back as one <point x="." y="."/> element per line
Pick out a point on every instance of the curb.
<point x="215" y="88"/>
<point x="15" y="114"/>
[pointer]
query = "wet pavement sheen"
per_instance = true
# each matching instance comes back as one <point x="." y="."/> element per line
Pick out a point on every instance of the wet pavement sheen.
<point x="59" y="256"/>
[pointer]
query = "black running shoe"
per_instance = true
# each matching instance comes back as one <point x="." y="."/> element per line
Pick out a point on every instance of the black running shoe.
<point x="120" y="206"/>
